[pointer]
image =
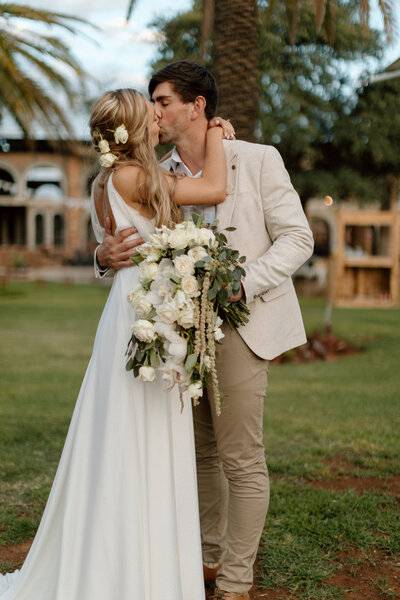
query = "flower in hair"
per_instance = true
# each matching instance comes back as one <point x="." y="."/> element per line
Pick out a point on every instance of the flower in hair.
<point x="107" y="159"/>
<point x="104" y="146"/>
<point x="121" y="134"/>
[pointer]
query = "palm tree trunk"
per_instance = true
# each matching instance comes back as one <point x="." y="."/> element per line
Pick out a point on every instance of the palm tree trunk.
<point x="235" y="63"/>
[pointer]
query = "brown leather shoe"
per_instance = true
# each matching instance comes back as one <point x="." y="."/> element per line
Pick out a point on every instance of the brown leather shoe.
<point x="222" y="595"/>
<point x="210" y="575"/>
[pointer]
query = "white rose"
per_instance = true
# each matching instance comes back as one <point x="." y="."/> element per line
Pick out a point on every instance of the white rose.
<point x="195" y="390"/>
<point x="136" y="294"/>
<point x="168" y="312"/>
<point x="218" y="335"/>
<point x="206" y="236"/>
<point x="107" y="160"/>
<point x="121" y="135"/>
<point x="104" y="146"/>
<point x="178" y="239"/>
<point x="142" y="307"/>
<point x="186" y="317"/>
<point x="148" y="270"/>
<point x="197" y="253"/>
<point x="190" y="286"/>
<point x="160" y="239"/>
<point x="183" y="265"/>
<point x="145" y="249"/>
<point x="153" y="255"/>
<point x="147" y="374"/>
<point x="143" y="330"/>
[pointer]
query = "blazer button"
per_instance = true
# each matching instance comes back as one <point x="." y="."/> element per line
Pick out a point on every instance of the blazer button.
<point x="233" y="167"/>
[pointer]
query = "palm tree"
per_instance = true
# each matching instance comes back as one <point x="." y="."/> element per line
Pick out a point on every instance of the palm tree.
<point x="27" y="57"/>
<point x="235" y="48"/>
<point x="235" y="41"/>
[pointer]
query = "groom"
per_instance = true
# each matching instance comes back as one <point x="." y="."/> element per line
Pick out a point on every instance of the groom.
<point x="273" y="233"/>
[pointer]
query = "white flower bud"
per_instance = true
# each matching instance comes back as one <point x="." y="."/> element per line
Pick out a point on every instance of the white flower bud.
<point x="147" y="374"/>
<point x="107" y="160"/>
<point x="121" y="135"/>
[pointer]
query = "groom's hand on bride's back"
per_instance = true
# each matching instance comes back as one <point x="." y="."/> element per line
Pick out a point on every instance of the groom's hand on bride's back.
<point x="116" y="250"/>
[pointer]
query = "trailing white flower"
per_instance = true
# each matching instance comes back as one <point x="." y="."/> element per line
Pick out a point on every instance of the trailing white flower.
<point x="177" y="349"/>
<point x="162" y="287"/>
<point x="147" y="374"/>
<point x="107" y="160"/>
<point x="218" y="335"/>
<point x="167" y="268"/>
<point x="121" y="135"/>
<point x="195" y="391"/>
<point x="143" y="330"/>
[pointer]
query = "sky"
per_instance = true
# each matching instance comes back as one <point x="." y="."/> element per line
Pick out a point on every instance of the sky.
<point x="119" y="54"/>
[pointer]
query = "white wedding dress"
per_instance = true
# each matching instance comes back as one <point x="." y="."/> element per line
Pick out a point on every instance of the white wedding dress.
<point x="121" y="521"/>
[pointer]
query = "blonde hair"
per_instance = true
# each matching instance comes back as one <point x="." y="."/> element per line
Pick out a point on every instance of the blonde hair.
<point x="128" y="107"/>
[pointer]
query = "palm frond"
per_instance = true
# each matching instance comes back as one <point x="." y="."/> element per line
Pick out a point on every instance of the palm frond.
<point x="130" y="9"/>
<point x="28" y="54"/>
<point x="389" y="19"/>
<point x="21" y="11"/>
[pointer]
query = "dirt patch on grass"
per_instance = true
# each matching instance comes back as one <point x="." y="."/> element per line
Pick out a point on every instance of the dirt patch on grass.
<point x="340" y="478"/>
<point x="15" y="554"/>
<point x="367" y="578"/>
<point x="390" y="485"/>
<point x="320" y="346"/>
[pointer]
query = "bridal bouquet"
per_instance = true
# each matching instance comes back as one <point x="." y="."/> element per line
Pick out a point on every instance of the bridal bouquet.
<point x="186" y="274"/>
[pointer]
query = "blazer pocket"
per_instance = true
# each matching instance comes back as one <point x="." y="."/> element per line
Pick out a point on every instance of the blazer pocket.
<point x="273" y="293"/>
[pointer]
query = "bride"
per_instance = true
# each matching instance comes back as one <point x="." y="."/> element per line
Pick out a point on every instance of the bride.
<point x="121" y="521"/>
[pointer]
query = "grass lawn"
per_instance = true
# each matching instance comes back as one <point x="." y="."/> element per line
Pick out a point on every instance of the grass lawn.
<point x="331" y="436"/>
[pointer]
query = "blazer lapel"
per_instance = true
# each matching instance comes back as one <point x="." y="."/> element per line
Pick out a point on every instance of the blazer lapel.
<point x="225" y="209"/>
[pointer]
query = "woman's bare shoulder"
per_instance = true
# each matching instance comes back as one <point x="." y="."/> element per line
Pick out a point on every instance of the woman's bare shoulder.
<point x="127" y="179"/>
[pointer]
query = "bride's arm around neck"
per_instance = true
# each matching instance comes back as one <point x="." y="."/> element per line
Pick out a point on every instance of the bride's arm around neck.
<point x="210" y="188"/>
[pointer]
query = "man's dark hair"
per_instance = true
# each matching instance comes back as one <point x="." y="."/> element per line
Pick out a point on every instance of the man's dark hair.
<point x="189" y="80"/>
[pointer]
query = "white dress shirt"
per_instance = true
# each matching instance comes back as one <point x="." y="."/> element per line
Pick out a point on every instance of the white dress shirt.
<point x="208" y="211"/>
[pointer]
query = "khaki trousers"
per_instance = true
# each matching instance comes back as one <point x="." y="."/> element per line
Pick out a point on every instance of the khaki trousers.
<point x="232" y="475"/>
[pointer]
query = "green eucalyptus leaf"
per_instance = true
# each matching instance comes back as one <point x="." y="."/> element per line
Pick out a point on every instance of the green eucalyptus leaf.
<point x="190" y="362"/>
<point x="137" y="259"/>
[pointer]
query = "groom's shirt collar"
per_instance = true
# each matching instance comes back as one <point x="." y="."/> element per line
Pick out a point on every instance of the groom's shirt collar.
<point x="178" y="166"/>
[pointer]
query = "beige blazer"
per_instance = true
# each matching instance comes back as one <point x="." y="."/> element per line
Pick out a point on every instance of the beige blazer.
<point x="273" y="233"/>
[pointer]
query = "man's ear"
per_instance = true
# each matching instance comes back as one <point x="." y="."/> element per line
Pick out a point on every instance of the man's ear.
<point x="199" y="106"/>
